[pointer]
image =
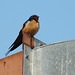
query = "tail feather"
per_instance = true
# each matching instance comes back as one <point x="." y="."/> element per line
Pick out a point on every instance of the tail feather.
<point x="17" y="43"/>
<point x="11" y="46"/>
<point x="14" y="47"/>
<point x="7" y="53"/>
<point x="18" y="39"/>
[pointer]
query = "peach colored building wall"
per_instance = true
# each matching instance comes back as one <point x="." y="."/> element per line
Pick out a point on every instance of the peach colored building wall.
<point x="12" y="65"/>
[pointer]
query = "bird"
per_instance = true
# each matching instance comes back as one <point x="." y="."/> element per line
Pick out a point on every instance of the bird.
<point x="30" y="27"/>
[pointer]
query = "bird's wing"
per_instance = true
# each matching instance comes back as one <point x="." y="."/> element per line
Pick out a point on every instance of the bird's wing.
<point x="16" y="43"/>
<point x="18" y="40"/>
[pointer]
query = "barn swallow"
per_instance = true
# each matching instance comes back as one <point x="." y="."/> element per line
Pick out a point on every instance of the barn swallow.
<point x="30" y="27"/>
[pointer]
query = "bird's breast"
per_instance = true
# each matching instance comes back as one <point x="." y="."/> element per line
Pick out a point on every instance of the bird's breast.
<point x="31" y="27"/>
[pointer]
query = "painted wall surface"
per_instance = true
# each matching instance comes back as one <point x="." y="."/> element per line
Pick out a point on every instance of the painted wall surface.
<point x="11" y="65"/>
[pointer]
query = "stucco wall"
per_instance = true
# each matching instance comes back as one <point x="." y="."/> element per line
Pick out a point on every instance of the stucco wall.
<point x="11" y="65"/>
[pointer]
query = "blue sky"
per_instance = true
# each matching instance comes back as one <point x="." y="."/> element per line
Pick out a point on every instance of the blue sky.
<point x="57" y="20"/>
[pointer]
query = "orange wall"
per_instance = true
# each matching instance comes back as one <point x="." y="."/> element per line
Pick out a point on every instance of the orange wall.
<point x="11" y="65"/>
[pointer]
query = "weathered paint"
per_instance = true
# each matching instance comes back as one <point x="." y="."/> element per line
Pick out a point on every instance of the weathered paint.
<point x="12" y="65"/>
<point x="53" y="59"/>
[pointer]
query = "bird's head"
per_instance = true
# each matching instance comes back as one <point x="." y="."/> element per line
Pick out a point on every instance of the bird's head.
<point x="34" y="17"/>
